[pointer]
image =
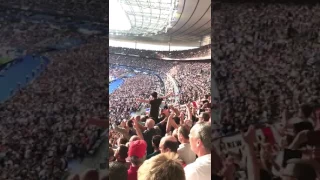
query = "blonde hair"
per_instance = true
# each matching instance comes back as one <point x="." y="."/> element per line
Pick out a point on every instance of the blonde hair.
<point x="165" y="166"/>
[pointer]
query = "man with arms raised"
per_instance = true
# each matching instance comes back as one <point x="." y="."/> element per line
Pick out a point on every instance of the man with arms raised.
<point x="155" y="103"/>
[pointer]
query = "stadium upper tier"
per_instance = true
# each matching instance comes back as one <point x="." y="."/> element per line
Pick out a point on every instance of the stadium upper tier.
<point x="199" y="53"/>
<point x="183" y="21"/>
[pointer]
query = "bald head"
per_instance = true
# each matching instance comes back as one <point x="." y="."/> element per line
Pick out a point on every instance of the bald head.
<point x="168" y="144"/>
<point x="150" y="123"/>
<point x="134" y="138"/>
<point x="169" y="138"/>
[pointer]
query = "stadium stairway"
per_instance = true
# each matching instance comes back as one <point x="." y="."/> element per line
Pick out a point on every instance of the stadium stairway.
<point x="19" y="74"/>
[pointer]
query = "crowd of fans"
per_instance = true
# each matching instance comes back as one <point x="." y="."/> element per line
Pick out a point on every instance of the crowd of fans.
<point x="191" y="77"/>
<point x="172" y="140"/>
<point x="203" y="51"/>
<point x="169" y="143"/>
<point x="270" y="65"/>
<point x="22" y="30"/>
<point x="79" y="8"/>
<point x="44" y="124"/>
<point x="123" y="100"/>
<point x="266" y="65"/>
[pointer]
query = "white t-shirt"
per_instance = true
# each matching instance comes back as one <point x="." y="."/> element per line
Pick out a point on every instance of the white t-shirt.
<point x="186" y="154"/>
<point x="200" y="169"/>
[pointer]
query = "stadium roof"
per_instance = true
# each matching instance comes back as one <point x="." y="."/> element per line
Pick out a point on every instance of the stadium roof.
<point x="176" y="21"/>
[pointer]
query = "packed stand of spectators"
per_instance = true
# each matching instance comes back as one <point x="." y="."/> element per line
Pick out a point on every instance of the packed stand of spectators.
<point x="203" y="51"/>
<point x="167" y="143"/>
<point x="171" y="141"/>
<point x="22" y="31"/>
<point x="192" y="77"/>
<point x="79" y="8"/>
<point x="117" y="72"/>
<point x="295" y="156"/>
<point x="168" y="86"/>
<point x="122" y="102"/>
<point x="44" y="124"/>
<point x="193" y="80"/>
<point x="265" y="60"/>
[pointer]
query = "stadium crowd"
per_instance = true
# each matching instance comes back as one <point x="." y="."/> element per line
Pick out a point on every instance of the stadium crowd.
<point x="123" y="100"/>
<point x="266" y="60"/>
<point x="203" y="51"/>
<point x="77" y="8"/>
<point x="191" y="77"/>
<point x="19" y="30"/>
<point x="172" y="140"/>
<point x="44" y="124"/>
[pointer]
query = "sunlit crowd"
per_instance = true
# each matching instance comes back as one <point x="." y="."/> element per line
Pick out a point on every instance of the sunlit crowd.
<point x="164" y="139"/>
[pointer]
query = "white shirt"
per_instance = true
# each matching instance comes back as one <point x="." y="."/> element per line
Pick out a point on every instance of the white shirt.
<point x="200" y="169"/>
<point x="186" y="154"/>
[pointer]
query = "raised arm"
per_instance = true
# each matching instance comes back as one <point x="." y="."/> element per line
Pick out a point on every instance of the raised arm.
<point x="143" y="100"/>
<point x="252" y="162"/>
<point x="168" y="95"/>
<point x="120" y="130"/>
<point x="138" y="130"/>
<point x="175" y="110"/>
<point x="181" y="118"/>
<point x="168" y="127"/>
<point x="189" y="112"/>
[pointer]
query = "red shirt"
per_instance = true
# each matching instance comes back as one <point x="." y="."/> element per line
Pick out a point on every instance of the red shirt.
<point x="133" y="173"/>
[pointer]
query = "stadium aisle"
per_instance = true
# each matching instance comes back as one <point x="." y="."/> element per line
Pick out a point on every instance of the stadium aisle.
<point x="17" y="74"/>
<point x="114" y="85"/>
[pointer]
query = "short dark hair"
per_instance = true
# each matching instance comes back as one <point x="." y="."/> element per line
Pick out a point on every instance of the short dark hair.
<point x="184" y="130"/>
<point x="123" y="151"/>
<point x="172" y="145"/>
<point x="123" y="140"/>
<point x="136" y="161"/>
<point x="205" y="116"/>
<point x="144" y="119"/>
<point x="156" y="140"/>
<point x="130" y="123"/>
<point x="154" y="94"/>
<point x="118" y="171"/>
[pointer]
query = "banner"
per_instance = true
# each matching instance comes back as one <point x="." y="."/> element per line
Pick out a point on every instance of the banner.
<point x="234" y="143"/>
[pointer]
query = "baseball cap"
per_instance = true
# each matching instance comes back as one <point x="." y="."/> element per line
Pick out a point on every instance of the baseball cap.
<point x="137" y="148"/>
